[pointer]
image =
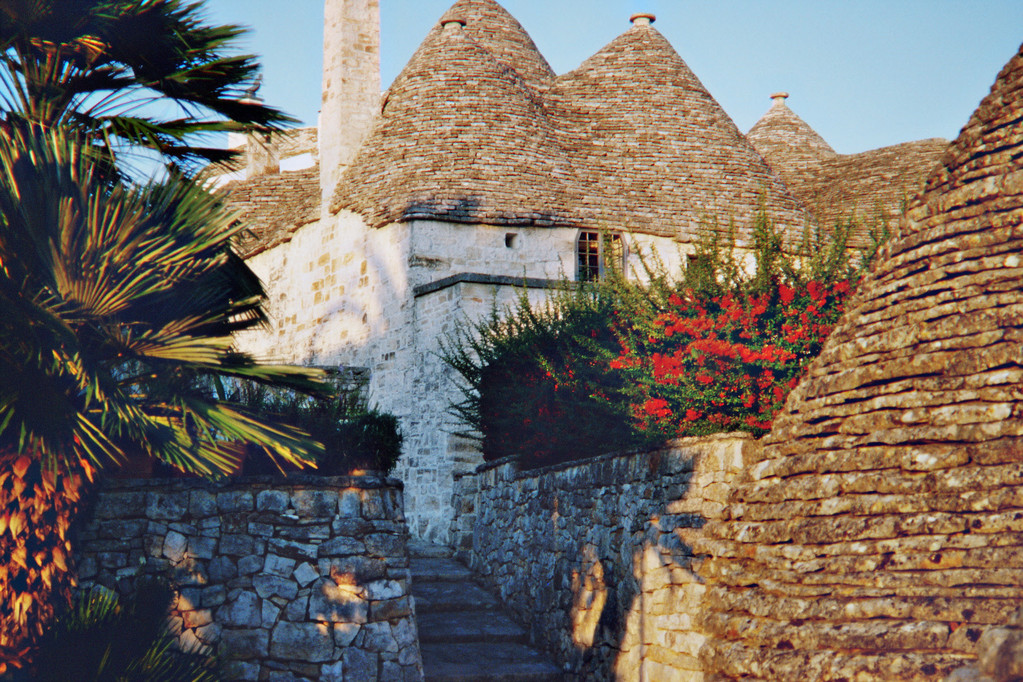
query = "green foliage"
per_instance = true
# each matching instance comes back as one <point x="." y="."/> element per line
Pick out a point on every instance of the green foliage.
<point x="97" y="67"/>
<point x="618" y="364"/>
<point x="116" y="302"/>
<point x="104" y="639"/>
<point x="523" y="377"/>
<point x="354" y="436"/>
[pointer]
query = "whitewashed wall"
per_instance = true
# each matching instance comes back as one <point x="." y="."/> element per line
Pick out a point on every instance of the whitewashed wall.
<point x="340" y="293"/>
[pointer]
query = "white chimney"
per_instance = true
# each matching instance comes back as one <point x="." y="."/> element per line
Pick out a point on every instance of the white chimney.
<point x="351" y="85"/>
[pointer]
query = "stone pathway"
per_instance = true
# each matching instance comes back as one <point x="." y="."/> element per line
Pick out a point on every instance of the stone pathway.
<point x="464" y="634"/>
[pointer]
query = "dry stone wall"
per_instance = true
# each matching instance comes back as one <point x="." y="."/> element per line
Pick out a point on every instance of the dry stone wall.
<point x="306" y="579"/>
<point x="881" y="533"/>
<point x="595" y="557"/>
<point x="340" y="293"/>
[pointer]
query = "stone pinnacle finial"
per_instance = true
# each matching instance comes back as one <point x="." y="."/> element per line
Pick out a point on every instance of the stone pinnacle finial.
<point x="779" y="98"/>
<point x="453" y="24"/>
<point x="642" y="19"/>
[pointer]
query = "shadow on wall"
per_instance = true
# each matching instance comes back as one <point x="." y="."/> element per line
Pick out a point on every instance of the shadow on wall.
<point x="596" y="557"/>
<point x="470" y="209"/>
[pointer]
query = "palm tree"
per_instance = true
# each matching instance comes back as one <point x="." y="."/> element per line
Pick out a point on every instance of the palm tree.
<point x="99" y="66"/>
<point x="118" y="308"/>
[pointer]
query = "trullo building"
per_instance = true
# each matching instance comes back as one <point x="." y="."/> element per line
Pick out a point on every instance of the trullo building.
<point x="478" y="170"/>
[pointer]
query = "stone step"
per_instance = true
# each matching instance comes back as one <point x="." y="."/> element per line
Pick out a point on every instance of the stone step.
<point x="448" y="596"/>
<point x="486" y="662"/>
<point x="424" y="549"/>
<point x="469" y="626"/>
<point x="434" y="569"/>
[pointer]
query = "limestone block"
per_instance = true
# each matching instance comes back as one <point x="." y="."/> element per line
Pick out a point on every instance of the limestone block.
<point x="297" y="608"/>
<point x="305" y="574"/>
<point x="232" y="501"/>
<point x="202" y="547"/>
<point x="165" y="507"/>
<point x="241" y="670"/>
<point x="274" y="585"/>
<point x="378" y="637"/>
<point x="278" y="565"/>
<point x="302" y="642"/>
<point x="330" y="602"/>
<point x="269" y="613"/>
<point x="244" y="611"/>
<point x="222" y="569"/>
<point x="245" y="644"/>
<point x="197" y="618"/>
<point x="236" y="544"/>
<point x="384" y="589"/>
<point x="314" y="503"/>
<point x="332" y="672"/>
<point x="359" y="665"/>
<point x="248" y="565"/>
<point x="341" y="546"/>
<point x="214" y="595"/>
<point x="202" y="503"/>
<point x="344" y="633"/>
<point x="390" y="609"/>
<point x="272" y="501"/>
<point x="174" y="546"/>
<point x="290" y="548"/>
<point x="349" y="504"/>
<point x="209" y="634"/>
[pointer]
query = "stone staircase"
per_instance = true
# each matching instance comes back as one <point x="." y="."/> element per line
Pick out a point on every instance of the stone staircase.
<point x="464" y="634"/>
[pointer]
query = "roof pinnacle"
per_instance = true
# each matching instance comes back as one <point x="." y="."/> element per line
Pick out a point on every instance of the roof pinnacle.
<point x="779" y="98"/>
<point x="642" y="19"/>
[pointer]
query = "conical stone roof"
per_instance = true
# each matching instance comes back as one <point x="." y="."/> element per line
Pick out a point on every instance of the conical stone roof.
<point x="833" y="187"/>
<point x="655" y="145"/>
<point x="461" y="138"/>
<point x="493" y="29"/>
<point x="882" y="529"/>
<point x="476" y="130"/>
<point x="787" y="141"/>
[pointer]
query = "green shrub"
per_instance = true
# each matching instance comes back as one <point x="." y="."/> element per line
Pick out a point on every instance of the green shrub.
<point x="615" y="365"/>
<point x="524" y="377"/>
<point x="101" y="638"/>
<point x="354" y="436"/>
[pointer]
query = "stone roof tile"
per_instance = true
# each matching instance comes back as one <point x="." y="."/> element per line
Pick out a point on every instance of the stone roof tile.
<point x="273" y="206"/>
<point x="879" y="534"/>
<point x="787" y="141"/>
<point x="630" y="138"/>
<point x="461" y="138"/>
<point x="834" y="187"/>
<point x="654" y="149"/>
<point x="490" y="26"/>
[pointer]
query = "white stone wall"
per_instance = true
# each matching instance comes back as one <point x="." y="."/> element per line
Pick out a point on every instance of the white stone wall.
<point x="340" y="293"/>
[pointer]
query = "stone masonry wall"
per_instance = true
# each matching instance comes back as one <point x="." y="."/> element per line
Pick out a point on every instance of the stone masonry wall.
<point x="595" y="557"/>
<point x="303" y="579"/>
<point x="340" y="293"/>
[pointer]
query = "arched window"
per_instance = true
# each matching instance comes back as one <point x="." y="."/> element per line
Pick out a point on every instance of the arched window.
<point x="597" y="253"/>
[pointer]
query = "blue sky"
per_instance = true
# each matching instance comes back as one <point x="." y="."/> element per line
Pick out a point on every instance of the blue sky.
<point x="864" y="74"/>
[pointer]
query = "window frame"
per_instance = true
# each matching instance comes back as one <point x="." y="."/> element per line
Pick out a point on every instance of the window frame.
<point x="592" y="257"/>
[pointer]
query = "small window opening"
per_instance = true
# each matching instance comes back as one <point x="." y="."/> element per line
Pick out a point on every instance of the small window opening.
<point x="510" y="240"/>
<point x="597" y="254"/>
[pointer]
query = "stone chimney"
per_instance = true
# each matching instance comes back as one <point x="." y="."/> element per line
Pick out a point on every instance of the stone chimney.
<point x="351" y="85"/>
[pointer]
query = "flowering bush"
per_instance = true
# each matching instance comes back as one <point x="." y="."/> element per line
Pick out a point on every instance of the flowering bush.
<point x="723" y="363"/>
<point x="528" y="381"/>
<point x="617" y="364"/>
